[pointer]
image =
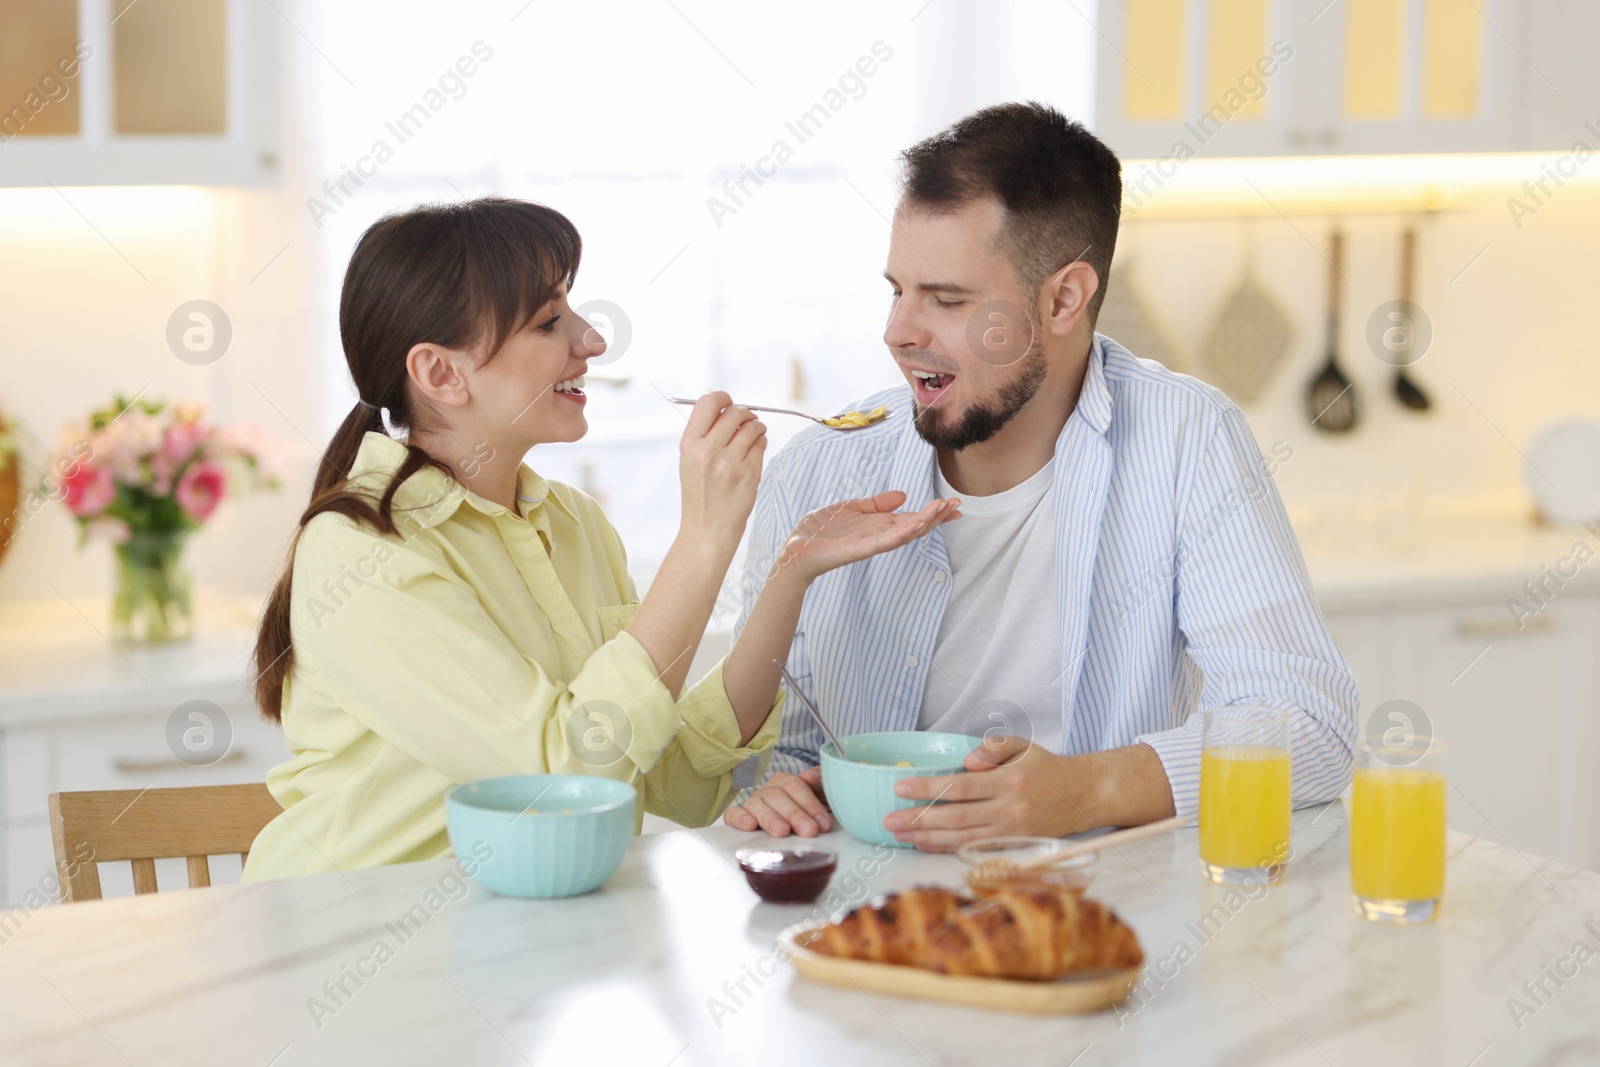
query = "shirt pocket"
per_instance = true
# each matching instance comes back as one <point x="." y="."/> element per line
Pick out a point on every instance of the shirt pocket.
<point x="614" y="618"/>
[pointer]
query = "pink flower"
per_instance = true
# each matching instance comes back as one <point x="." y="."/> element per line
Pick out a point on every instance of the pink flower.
<point x="181" y="441"/>
<point x="89" y="489"/>
<point x="161" y="472"/>
<point x="200" y="490"/>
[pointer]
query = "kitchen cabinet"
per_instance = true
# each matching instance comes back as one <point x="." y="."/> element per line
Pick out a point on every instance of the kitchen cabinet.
<point x="79" y="714"/>
<point x="122" y="752"/>
<point x="1214" y="78"/>
<point x="1519" y="720"/>
<point x="138" y="92"/>
<point x="1518" y="707"/>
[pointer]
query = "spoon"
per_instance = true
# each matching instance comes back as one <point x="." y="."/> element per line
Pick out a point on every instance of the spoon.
<point x="1407" y="391"/>
<point x="788" y="411"/>
<point x="812" y="708"/>
<point x="1331" y="399"/>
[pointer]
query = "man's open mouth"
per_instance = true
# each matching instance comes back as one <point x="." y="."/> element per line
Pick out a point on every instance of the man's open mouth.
<point x="929" y="387"/>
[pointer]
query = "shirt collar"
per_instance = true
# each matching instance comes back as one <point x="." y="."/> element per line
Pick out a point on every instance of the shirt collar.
<point x="1094" y="398"/>
<point x="430" y="496"/>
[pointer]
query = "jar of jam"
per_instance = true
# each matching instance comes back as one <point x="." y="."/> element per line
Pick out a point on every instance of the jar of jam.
<point x="787" y="875"/>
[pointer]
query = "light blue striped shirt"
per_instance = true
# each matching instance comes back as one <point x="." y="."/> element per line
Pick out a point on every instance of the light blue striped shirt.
<point x="1179" y="582"/>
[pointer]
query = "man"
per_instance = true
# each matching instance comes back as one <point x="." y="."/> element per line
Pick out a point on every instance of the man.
<point x="1122" y="558"/>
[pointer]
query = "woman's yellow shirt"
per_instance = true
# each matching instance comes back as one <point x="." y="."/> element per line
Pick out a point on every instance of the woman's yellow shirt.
<point x="474" y="643"/>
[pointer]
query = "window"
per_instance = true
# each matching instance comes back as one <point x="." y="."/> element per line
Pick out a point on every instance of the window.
<point x="730" y="166"/>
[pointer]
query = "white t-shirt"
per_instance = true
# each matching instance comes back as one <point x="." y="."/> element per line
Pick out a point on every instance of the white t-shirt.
<point x="996" y="665"/>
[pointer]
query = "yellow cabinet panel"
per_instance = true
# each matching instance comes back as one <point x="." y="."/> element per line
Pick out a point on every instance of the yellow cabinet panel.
<point x="1452" y="59"/>
<point x="1373" y="59"/>
<point x="1153" y="46"/>
<point x="1238" y="33"/>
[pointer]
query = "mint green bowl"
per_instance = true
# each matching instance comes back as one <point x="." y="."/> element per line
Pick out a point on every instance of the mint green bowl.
<point x="540" y="835"/>
<point x="861" y="794"/>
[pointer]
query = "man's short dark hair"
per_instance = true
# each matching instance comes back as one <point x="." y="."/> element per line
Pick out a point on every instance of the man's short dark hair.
<point x="1060" y="185"/>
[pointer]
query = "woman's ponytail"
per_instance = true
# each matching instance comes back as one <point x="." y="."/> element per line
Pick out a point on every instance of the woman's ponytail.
<point x="340" y="456"/>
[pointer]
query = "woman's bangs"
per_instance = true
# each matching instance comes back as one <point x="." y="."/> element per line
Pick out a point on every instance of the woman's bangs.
<point x="522" y="255"/>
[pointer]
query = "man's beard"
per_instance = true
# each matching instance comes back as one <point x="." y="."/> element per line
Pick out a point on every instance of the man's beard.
<point x="983" y="421"/>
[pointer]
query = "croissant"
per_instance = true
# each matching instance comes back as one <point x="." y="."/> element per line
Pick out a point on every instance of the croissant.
<point x="1023" y="931"/>
<point x="895" y="930"/>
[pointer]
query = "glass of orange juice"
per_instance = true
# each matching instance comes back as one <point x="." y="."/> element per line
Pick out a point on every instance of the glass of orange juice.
<point x="1244" y="795"/>
<point x="1397" y="826"/>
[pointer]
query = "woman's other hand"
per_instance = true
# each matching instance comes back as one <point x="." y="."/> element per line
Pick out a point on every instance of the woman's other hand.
<point x="852" y="530"/>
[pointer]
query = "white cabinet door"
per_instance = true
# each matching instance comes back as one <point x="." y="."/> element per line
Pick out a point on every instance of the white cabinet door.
<point x="1364" y="641"/>
<point x="136" y="753"/>
<point x="1517" y="709"/>
<point x="30" y="867"/>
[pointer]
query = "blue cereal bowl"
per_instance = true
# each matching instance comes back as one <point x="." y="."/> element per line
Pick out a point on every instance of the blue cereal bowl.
<point x="540" y="835"/>
<point x="860" y="788"/>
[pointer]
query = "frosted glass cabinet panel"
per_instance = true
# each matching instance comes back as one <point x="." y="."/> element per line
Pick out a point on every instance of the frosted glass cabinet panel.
<point x="138" y="92"/>
<point x="172" y="69"/>
<point x="38" y="68"/>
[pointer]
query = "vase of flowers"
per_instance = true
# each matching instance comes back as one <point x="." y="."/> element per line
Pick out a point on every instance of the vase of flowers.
<point x="145" y="476"/>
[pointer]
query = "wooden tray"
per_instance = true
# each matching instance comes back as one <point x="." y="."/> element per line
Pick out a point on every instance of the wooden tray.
<point x="1075" y="994"/>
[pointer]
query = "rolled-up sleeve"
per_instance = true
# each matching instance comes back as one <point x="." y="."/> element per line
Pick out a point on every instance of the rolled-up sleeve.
<point x="1249" y="620"/>
<point x="693" y="782"/>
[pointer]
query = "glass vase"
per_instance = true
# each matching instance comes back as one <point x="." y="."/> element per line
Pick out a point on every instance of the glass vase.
<point x="152" y="602"/>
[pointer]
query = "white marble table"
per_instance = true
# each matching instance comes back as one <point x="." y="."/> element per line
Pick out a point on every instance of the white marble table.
<point x="627" y="975"/>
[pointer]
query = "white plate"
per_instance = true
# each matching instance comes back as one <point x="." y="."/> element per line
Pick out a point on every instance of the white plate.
<point x="1564" y="471"/>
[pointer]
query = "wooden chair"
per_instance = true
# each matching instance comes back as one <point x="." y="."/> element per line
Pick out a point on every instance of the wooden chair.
<point x="150" y="824"/>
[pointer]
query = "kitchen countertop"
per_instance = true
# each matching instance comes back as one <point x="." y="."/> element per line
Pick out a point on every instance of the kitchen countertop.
<point x="58" y="662"/>
<point x="646" y="970"/>
<point x="1442" y="560"/>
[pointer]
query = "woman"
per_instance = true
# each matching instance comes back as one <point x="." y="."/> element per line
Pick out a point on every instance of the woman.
<point x="446" y="614"/>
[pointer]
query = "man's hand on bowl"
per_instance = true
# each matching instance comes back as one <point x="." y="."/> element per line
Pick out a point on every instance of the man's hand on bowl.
<point x="1016" y="788"/>
<point x="787" y="803"/>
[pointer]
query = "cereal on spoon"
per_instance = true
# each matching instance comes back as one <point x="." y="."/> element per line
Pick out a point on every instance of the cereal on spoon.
<point x="857" y="418"/>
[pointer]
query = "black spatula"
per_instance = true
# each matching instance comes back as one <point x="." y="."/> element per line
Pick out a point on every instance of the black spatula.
<point x="1407" y="391"/>
<point x="1331" y="399"/>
